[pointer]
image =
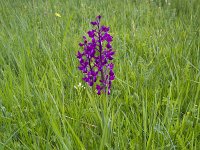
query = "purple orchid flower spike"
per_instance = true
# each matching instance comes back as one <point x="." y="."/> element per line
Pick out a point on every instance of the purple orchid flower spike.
<point x="95" y="60"/>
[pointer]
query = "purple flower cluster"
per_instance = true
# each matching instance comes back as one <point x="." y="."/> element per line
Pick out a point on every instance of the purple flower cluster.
<point x="95" y="60"/>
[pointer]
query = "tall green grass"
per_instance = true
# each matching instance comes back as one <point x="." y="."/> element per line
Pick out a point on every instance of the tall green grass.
<point x="155" y="100"/>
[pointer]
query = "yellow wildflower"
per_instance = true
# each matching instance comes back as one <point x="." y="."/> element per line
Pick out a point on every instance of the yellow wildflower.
<point x="57" y="15"/>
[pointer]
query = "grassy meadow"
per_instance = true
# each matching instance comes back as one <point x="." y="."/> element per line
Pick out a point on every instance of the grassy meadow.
<point x="155" y="98"/>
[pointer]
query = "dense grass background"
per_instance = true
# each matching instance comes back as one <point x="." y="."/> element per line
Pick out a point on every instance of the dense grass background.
<point x="155" y="100"/>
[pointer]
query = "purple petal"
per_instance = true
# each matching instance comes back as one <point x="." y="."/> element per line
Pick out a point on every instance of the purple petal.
<point x="112" y="77"/>
<point x="108" y="91"/>
<point x="91" y="83"/>
<point x="81" y="60"/>
<point x="91" y="33"/>
<point x="85" y="39"/>
<point x="92" y="53"/>
<point x="108" y="46"/>
<point x="98" y="87"/>
<point x="99" y="92"/>
<point x="93" y="40"/>
<point x="105" y="29"/>
<point x="79" y="55"/>
<point x="81" y="44"/>
<point x="111" y="73"/>
<point x="95" y="79"/>
<point x="107" y="37"/>
<point x="93" y="23"/>
<point x="111" y="66"/>
<point x="98" y="17"/>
